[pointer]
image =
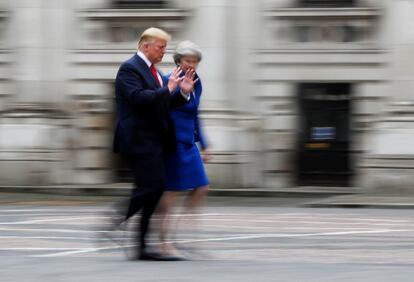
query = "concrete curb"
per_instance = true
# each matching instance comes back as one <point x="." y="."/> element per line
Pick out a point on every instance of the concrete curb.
<point x="379" y="201"/>
<point x="322" y="198"/>
<point x="362" y="205"/>
<point x="124" y="189"/>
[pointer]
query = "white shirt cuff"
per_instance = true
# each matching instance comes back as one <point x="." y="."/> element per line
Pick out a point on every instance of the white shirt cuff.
<point x="186" y="96"/>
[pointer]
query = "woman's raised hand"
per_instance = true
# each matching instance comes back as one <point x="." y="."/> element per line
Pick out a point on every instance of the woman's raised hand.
<point x="174" y="79"/>
<point x="188" y="81"/>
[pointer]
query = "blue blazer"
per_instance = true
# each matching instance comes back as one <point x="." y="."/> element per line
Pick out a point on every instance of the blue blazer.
<point x="143" y="125"/>
<point x="186" y="121"/>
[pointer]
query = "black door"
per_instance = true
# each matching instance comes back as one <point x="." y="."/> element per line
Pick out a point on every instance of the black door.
<point x="324" y="134"/>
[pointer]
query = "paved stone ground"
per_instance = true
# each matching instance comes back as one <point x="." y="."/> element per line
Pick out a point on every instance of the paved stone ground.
<point x="237" y="239"/>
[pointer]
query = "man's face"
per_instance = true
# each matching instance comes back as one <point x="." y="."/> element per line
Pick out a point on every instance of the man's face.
<point x="155" y="50"/>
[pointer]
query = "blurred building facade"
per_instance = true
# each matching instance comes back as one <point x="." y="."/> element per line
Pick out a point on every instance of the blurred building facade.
<point x="296" y="92"/>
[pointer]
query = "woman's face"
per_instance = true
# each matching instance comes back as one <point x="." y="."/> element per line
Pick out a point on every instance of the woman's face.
<point x="188" y="62"/>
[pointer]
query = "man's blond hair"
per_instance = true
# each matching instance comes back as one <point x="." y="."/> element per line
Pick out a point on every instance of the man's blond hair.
<point x="152" y="33"/>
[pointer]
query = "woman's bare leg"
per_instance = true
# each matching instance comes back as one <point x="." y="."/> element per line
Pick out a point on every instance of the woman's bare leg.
<point x="192" y="202"/>
<point x="165" y="208"/>
<point x="195" y="199"/>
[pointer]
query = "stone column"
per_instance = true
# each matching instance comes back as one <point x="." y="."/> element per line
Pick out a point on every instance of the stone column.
<point x="209" y="29"/>
<point x="389" y="166"/>
<point x="245" y="26"/>
<point x="39" y="39"/>
<point x="222" y="29"/>
<point x="35" y="121"/>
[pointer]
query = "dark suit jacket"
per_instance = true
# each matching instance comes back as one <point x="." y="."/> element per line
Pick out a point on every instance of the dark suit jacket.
<point x="143" y="125"/>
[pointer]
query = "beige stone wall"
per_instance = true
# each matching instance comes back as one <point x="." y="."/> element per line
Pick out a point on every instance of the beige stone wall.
<point x="59" y="60"/>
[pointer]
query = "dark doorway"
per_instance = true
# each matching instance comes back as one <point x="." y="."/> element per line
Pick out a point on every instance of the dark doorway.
<point x="324" y="134"/>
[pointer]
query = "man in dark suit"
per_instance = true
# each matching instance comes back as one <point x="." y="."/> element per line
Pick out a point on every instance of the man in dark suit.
<point x="144" y="132"/>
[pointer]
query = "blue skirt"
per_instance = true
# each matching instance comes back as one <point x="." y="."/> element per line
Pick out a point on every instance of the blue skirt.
<point x="185" y="169"/>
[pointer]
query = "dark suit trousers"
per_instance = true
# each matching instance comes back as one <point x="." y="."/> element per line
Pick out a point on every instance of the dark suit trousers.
<point x="149" y="179"/>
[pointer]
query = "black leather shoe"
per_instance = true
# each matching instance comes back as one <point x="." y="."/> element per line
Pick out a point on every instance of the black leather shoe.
<point x="145" y="255"/>
<point x="154" y="256"/>
<point x="175" y="258"/>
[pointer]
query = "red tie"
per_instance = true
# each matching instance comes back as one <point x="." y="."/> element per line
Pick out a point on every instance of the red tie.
<point x="154" y="73"/>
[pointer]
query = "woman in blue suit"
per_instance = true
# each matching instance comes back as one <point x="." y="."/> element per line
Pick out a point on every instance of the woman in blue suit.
<point x="185" y="169"/>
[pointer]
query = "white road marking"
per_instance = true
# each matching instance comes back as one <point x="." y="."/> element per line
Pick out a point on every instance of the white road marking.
<point x="241" y="237"/>
<point x="34" y="221"/>
<point x="260" y="236"/>
<point x="253" y="223"/>
<point x="275" y="216"/>
<point x="306" y="222"/>
<point x="36" y="249"/>
<point x="57" y="219"/>
<point x="83" y="250"/>
<point x="248" y="227"/>
<point x="55" y="238"/>
<point x="96" y="220"/>
<point x="57" y="209"/>
<point x="50" y="230"/>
